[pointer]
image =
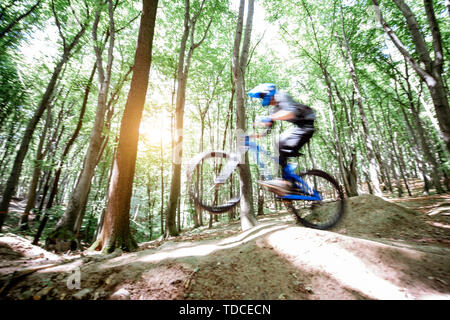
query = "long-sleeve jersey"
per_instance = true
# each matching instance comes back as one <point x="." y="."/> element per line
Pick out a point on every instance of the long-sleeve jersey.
<point x="304" y="115"/>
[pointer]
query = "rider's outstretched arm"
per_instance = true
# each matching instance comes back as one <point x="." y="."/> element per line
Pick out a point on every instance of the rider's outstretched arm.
<point x="282" y="115"/>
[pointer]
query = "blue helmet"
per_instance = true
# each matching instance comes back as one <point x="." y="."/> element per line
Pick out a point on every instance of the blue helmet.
<point x="264" y="91"/>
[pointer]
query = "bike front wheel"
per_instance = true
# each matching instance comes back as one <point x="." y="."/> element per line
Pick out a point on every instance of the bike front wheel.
<point x="208" y="193"/>
<point x="318" y="214"/>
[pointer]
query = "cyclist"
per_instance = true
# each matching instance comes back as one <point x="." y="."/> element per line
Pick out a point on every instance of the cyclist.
<point x="291" y="140"/>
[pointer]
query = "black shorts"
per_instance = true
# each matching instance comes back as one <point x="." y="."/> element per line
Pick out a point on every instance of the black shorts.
<point x="292" y="140"/>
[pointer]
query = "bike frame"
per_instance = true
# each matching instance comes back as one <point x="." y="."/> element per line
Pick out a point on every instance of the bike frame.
<point x="311" y="193"/>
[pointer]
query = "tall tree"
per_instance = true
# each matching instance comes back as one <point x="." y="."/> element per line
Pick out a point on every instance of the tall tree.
<point x="115" y="232"/>
<point x="69" y="45"/>
<point x="373" y="174"/>
<point x="31" y="197"/>
<point x="430" y="70"/>
<point x="59" y="167"/>
<point x="66" y="225"/>
<point x="71" y="141"/>
<point x="240" y="57"/>
<point x="184" y="63"/>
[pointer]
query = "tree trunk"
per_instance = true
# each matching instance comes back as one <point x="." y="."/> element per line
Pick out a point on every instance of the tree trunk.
<point x="352" y="177"/>
<point x="182" y="75"/>
<point x="177" y="150"/>
<point x="336" y="133"/>
<point x="116" y="230"/>
<point x="9" y="147"/>
<point x="359" y="101"/>
<point x="419" y="128"/>
<point x="78" y="198"/>
<point x="162" y="191"/>
<point x="260" y="201"/>
<point x="150" y="219"/>
<point x="198" y="210"/>
<point x="179" y="215"/>
<point x="54" y="189"/>
<point x="151" y="205"/>
<point x="26" y="140"/>
<point x="31" y="201"/>
<point x="397" y="153"/>
<point x="431" y="160"/>
<point x="248" y="219"/>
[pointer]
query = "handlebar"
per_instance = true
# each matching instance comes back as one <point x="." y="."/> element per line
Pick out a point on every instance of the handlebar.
<point x="260" y="135"/>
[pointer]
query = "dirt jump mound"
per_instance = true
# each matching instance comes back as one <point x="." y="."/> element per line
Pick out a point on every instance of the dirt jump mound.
<point x="372" y="216"/>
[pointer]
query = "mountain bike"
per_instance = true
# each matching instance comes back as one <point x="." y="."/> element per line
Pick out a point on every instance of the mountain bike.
<point x="317" y="200"/>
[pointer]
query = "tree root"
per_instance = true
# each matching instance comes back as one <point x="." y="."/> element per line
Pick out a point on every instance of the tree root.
<point x="113" y="244"/>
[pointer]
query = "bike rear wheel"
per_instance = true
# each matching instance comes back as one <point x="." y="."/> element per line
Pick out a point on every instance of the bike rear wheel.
<point x="322" y="214"/>
<point x="216" y="198"/>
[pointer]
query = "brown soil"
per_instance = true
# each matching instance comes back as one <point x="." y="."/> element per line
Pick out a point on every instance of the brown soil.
<point x="382" y="249"/>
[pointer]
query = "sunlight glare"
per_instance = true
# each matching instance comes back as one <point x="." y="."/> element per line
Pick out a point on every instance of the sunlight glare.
<point x="155" y="129"/>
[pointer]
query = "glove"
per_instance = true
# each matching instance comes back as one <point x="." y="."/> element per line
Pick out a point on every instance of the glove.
<point x="266" y="120"/>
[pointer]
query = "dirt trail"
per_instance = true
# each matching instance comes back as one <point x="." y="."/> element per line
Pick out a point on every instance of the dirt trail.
<point x="380" y="250"/>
